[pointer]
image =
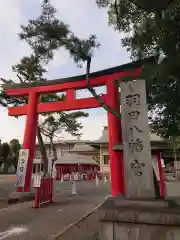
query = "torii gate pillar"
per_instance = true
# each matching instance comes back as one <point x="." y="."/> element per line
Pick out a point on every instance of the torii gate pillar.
<point x="29" y="141"/>
<point x="115" y="136"/>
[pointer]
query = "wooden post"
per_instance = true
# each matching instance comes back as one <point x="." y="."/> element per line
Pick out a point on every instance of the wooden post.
<point x="114" y="130"/>
<point x="30" y="138"/>
<point x="161" y="175"/>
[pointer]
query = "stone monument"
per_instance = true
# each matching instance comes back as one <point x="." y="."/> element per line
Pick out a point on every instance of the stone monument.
<point x="136" y="141"/>
<point x="138" y="215"/>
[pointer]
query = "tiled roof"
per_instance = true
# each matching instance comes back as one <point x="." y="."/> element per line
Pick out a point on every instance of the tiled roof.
<point x="104" y="138"/>
<point x="159" y="145"/>
<point x="67" y="141"/>
<point x="154" y="137"/>
<point x="76" y="159"/>
<point x="77" y="141"/>
<point x="87" y="145"/>
<point x="82" y="147"/>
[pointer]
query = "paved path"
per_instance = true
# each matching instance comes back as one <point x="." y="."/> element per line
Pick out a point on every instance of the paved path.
<point x="7" y="178"/>
<point x="173" y="189"/>
<point x="47" y="221"/>
<point x="7" y="185"/>
<point x="88" y="229"/>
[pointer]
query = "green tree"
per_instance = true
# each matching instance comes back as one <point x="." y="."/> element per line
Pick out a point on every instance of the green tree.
<point x="4" y="154"/>
<point x="9" y="153"/>
<point x="45" y="35"/>
<point x="149" y="34"/>
<point x="59" y="122"/>
<point x="154" y="33"/>
<point x="15" y="147"/>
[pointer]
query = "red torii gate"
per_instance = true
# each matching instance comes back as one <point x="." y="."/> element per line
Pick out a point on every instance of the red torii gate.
<point x="106" y="78"/>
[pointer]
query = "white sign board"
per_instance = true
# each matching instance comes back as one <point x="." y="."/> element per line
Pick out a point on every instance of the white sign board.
<point x="22" y="166"/>
<point x="177" y="165"/>
<point x="54" y="171"/>
<point x="162" y="163"/>
<point x="135" y="133"/>
<point x="76" y="176"/>
<point x="37" y="181"/>
<point x="50" y="164"/>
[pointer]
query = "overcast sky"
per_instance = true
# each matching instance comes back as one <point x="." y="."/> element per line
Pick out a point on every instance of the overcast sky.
<point x="84" y="18"/>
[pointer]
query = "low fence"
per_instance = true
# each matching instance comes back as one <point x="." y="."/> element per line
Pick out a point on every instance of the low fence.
<point x="44" y="192"/>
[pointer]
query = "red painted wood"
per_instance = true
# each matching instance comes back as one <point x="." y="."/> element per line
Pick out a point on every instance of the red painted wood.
<point x="77" y="104"/>
<point x="44" y="194"/>
<point x="30" y="137"/>
<point x="70" y="95"/>
<point x="95" y="82"/>
<point x="161" y="175"/>
<point x="114" y="131"/>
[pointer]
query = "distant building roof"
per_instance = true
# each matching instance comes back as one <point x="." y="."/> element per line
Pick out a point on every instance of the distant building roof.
<point x="75" y="159"/>
<point x="64" y="142"/>
<point x="154" y="137"/>
<point x="82" y="147"/>
<point x="77" y="141"/>
<point x="105" y="138"/>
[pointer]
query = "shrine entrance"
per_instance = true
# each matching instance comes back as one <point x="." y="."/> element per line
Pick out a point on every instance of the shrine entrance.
<point x="105" y="78"/>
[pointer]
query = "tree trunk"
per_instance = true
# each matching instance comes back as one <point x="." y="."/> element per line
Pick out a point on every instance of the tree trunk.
<point x="51" y="146"/>
<point x="54" y="152"/>
<point x="42" y="151"/>
<point x="6" y="167"/>
<point x="53" y="149"/>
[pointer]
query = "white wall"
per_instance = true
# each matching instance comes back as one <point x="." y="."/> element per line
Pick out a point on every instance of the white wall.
<point x="61" y="149"/>
<point x="104" y="151"/>
<point x="106" y="168"/>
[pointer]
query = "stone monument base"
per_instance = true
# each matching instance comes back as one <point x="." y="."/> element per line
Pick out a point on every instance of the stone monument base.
<point x="123" y="219"/>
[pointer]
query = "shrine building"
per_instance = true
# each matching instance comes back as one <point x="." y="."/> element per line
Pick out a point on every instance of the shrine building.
<point x="91" y="152"/>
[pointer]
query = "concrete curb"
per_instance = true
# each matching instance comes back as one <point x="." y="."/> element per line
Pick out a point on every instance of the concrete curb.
<point x="5" y="202"/>
<point x="17" y="203"/>
<point x="13" y="200"/>
<point x="67" y="228"/>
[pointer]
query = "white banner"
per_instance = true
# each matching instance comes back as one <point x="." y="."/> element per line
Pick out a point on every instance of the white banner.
<point x="54" y="171"/>
<point x="50" y="165"/>
<point x="76" y="176"/>
<point x="37" y="181"/>
<point x="22" y="166"/>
